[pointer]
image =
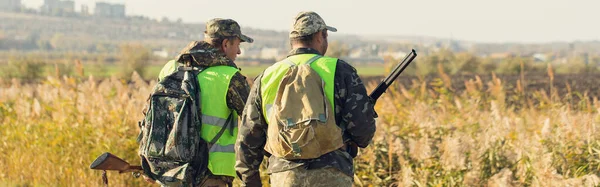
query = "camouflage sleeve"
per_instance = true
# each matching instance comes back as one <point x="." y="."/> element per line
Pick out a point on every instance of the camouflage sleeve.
<point x="251" y="139"/>
<point x="237" y="93"/>
<point x="356" y="110"/>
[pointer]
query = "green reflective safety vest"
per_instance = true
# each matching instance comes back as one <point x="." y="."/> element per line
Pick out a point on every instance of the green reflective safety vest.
<point x="269" y="83"/>
<point x="214" y="84"/>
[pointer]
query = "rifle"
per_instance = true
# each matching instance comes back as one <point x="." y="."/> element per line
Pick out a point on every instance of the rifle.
<point x="108" y="161"/>
<point x="351" y="147"/>
<point x="395" y="73"/>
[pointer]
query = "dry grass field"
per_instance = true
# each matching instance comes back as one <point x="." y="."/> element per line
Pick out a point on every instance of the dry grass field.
<point x="429" y="133"/>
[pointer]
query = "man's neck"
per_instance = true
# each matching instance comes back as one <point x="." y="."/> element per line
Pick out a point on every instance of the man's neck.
<point x="294" y="47"/>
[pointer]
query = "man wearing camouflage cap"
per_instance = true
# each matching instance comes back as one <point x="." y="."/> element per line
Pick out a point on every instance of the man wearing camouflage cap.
<point x="353" y="111"/>
<point x="224" y="92"/>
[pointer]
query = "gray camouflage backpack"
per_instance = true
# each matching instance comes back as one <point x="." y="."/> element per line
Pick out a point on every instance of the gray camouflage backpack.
<point x="170" y="146"/>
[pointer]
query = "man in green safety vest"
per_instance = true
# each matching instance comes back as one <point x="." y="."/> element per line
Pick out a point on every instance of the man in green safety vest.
<point x="343" y="88"/>
<point x="224" y="91"/>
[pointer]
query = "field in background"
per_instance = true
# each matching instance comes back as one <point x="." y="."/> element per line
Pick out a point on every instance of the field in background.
<point x="450" y="120"/>
<point x="429" y="133"/>
<point x="151" y="71"/>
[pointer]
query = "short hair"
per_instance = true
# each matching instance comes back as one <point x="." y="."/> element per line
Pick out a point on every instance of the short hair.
<point x="306" y="40"/>
<point x="218" y="42"/>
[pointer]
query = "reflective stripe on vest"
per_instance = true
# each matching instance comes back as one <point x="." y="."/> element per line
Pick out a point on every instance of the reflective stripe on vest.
<point x="216" y="121"/>
<point x="220" y="148"/>
<point x="324" y="66"/>
<point x="214" y="84"/>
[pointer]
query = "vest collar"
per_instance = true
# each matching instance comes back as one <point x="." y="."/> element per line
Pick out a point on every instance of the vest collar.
<point x="299" y="51"/>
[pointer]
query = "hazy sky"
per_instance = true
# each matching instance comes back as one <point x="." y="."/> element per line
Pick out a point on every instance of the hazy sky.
<point x="472" y="20"/>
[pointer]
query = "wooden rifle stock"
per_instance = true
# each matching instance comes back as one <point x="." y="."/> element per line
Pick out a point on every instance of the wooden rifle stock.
<point x="110" y="162"/>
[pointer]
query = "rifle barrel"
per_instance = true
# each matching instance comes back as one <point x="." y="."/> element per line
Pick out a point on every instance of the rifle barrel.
<point x="400" y="67"/>
<point x="395" y="73"/>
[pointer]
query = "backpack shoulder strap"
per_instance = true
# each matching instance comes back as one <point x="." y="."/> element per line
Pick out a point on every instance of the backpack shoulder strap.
<point x="220" y="133"/>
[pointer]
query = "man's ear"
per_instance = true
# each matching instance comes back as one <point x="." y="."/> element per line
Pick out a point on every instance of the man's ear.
<point x="225" y="44"/>
<point x="317" y="37"/>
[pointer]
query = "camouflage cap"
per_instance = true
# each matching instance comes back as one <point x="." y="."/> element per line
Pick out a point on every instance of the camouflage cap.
<point x="307" y="23"/>
<point x="216" y="28"/>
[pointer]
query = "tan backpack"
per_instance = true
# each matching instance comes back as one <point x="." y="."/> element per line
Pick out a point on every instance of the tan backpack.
<point x="302" y="124"/>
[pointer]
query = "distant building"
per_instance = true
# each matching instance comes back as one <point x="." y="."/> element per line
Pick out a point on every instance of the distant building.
<point x="250" y="52"/>
<point x="539" y="57"/>
<point x="109" y="10"/>
<point x="85" y="10"/>
<point x="163" y="53"/>
<point x="357" y="53"/>
<point x="171" y="34"/>
<point x="393" y="54"/>
<point x="102" y="9"/>
<point x="269" y="53"/>
<point x="58" y="7"/>
<point x="118" y="10"/>
<point x="10" y="5"/>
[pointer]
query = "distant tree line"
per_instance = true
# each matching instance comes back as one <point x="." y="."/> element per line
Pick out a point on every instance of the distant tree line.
<point x="469" y="64"/>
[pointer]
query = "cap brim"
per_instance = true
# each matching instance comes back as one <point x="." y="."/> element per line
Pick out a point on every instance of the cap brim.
<point x="330" y="28"/>
<point x="245" y="38"/>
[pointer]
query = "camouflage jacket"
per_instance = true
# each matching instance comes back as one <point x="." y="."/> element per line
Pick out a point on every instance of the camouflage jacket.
<point x="354" y="113"/>
<point x="239" y="89"/>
